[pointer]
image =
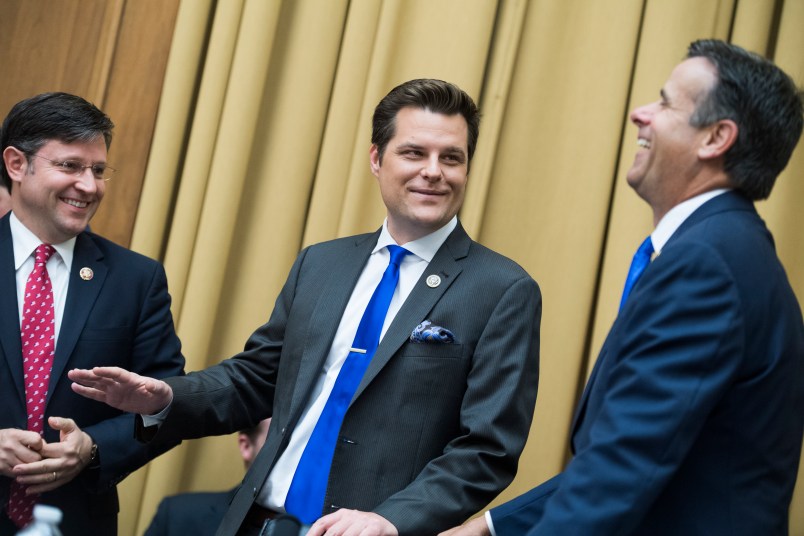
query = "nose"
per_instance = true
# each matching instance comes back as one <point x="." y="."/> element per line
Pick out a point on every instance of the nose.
<point x="641" y="116"/>
<point x="432" y="169"/>
<point x="86" y="181"/>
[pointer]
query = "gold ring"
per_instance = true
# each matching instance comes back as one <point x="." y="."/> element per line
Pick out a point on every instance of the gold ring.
<point x="54" y="476"/>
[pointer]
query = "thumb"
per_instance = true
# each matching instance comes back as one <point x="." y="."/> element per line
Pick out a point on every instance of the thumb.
<point x="63" y="425"/>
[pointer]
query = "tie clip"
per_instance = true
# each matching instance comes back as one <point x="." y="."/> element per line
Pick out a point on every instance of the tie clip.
<point x="357" y="350"/>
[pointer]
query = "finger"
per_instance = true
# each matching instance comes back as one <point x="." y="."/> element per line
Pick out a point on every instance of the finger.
<point x="44" y="475"/>
<point x="47" y="482"/>
<point x="27" y="455"/>
<point x="319" y="527"/>
<point x="115" y="374"/>
<point x="96" y="382"/>
<point x="62" y="424"/>
<point x="37" y="467"/>
<point x="88" y="392"/>
<point x="28" y="441"/>
<point x="315" y="531"/>
<point x="100" y="375"/>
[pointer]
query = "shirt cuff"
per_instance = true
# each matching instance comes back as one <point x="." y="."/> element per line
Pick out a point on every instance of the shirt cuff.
<point x="157" y="419"/>
<point x="490" y="523"/>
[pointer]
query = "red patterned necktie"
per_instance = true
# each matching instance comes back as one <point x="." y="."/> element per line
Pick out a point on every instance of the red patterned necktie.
<point x="38" y="345"/>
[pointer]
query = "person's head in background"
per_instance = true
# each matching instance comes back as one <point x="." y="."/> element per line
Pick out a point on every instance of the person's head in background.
<point x="54" y="148"/>
<point x="251" y="440"/>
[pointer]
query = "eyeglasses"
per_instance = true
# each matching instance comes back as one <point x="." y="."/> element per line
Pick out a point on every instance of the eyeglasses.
<point x="100" y="172"/>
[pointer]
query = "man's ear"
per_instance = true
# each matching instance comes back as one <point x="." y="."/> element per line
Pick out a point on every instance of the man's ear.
<point x="16" y="163"/>
<point x="374" y="159"/>
<point x="244" y="444"/>
<point x="720" y="138"/>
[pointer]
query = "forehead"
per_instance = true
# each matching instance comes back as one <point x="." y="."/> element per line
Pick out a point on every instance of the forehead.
<point x="691" y="79"/>
<point x="419" y="125"/>
<point x="94" y="149"/>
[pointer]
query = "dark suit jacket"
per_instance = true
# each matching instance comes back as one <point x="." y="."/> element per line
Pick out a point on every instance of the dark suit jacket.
<point x="190" y="514"/>
<point x="692" y="420"/>
<point x="121" y="317"/>
<point x="434" y="431"/>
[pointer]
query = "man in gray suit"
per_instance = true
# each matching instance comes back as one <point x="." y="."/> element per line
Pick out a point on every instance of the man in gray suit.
<point x="436" y="423"/>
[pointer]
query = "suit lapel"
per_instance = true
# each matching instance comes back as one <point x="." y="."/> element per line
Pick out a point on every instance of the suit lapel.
<point x="9" y="310"/>
<point x="81" y="297"/>
<point x="420" y="302"/>
<point x="724" y="202"/>
<point x="326" y="317"/>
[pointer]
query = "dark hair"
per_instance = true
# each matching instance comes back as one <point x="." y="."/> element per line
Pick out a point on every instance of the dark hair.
<point x="434" y="95"/>
<point x="764" y="103"/>
<point x="33" y="122"/>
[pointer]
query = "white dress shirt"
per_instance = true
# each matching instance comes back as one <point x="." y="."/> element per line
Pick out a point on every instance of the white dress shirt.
<point x="671" y="221"/>
<point x="25" y="243"/>
<point x="422" y="252"/>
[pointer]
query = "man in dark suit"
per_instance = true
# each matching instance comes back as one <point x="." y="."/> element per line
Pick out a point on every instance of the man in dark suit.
<point x="692" y="419"/>
<point x="200" y="513"/>
<point x="100" y="305"/>
<point x="438" y="419"/>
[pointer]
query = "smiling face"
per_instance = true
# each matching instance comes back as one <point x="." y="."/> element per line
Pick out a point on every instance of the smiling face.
<point x="53" y="204"/>
<point x="667" y="166"/>
<point x="423" y="173"/>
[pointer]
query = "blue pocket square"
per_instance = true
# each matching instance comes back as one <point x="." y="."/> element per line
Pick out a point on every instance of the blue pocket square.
<point x="427" y="332"/>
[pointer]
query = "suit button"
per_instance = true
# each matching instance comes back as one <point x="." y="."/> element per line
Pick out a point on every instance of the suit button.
<point x="283" y="430"/>
<point x="254" y="492"/>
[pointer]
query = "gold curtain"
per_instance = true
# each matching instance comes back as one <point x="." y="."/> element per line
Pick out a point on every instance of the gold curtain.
<point x="261" y="147"/>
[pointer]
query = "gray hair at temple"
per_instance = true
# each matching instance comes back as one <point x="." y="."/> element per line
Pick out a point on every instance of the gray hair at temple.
<point x="765" y="104"/>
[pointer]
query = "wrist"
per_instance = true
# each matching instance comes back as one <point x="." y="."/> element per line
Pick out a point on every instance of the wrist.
<point x="91" y="458"/>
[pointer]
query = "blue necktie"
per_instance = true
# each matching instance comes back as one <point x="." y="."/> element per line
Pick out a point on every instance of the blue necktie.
<point x="305" y="498"/>
<point x="638" y="264"/>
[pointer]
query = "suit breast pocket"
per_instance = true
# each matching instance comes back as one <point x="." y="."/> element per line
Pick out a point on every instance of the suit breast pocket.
<point x="106" y="334"/>
<point x="108" y="346"/>
<point x="413" y="350"/>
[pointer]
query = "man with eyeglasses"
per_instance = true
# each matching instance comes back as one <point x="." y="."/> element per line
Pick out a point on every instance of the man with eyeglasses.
<point x="70" y="298"/>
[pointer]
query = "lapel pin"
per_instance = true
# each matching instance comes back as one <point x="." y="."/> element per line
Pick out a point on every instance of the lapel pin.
<point x="86" y="273"/>
<point x="433" y="281"/>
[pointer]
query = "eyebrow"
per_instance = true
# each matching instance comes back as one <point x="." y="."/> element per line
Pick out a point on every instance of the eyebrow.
<point x="453" y="149"/>
<point x="79" y="159"/>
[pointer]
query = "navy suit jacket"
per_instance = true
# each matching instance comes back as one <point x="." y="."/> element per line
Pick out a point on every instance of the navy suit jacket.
<point x="433" y="432"/>
<point x="120" y="317"/>
<point x="190" y="514"/>
<point x="692" y="419"/>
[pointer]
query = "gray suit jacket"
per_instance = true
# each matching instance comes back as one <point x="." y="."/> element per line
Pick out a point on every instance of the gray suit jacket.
<point x="434" y="431"/>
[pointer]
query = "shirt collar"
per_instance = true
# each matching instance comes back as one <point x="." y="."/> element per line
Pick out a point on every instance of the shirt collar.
<point x="25" y="243"/>
<point x="671" y="221"/>
<point x="425" y="247"/>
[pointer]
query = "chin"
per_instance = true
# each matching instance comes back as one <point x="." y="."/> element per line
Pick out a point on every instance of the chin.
<point x="633" y="179"/>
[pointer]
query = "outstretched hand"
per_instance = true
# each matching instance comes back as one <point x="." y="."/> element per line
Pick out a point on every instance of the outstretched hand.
<point x="121" y="389"/>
